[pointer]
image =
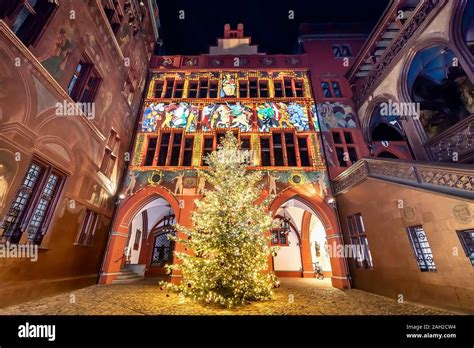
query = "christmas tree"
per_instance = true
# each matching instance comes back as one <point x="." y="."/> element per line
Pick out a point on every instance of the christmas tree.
<point x="229" y="247"/>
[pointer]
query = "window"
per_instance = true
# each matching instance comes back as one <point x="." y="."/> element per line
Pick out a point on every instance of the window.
<point x="174" y="88"/>
<point x="203" y="88"/>
<point x="84" y="82"/>
<point x="282" y="149"/>
<point x="299" y="89"/>
<point x="169" y="88"/>
<point x="341" y="51"/>
<point x="114" y="15"/>
<point x="243" y="93"/>
<point x="359" y="241"/>
<point x="279" y="237"/>
<point x="188" y="151"/>
<point x="304" y="152"/>
<point x="164" y="145"/>
<point x="27" y="18"/>
<point x="345" y="148"/>
<point x="277" y="149"/>
<point x="136" y="243"/>
<point x="34" y="204"/>
<point x="158" y="92"/>
<point x="263" y="88"/>
<point x="336" y="89"/>
<point x="278" y="88"/>
<point x="174" y="149"/>
<point x="288" y="87"/>
<point x="110" y="154"/>
<point x="265" y="151"/>
<point x="466" y="237"/>
<point x="467" y="26"/>
<point x="253" y="88"/>
<point x="422" y="249"/>
<point x="178" y="89"/>
<point x="207" y="148"/>
<point x="326" y="89"/>
<point x="88" y="229"/>
<point x="150" y="151"/>
<point x="331" y="89"/>
<point x="213" y="89"/>
<point x="193" y="89"/>
<point x="442" y="89"/>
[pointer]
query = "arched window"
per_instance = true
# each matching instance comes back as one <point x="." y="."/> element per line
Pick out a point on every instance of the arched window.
<point x="438" y="83"/>
<point x="468" y="25"/>
<point x="385" y="127"/>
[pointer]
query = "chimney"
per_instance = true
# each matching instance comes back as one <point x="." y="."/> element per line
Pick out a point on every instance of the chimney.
<point x="228" y="33"/>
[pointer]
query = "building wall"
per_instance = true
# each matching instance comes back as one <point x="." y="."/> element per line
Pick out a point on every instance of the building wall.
<point x="395" y="270"/>
<point x="335" y="113"/>
<point x="34" y="79"/>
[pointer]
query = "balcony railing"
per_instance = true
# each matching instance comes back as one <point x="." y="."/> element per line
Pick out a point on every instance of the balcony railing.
<point x="456" y="180"/>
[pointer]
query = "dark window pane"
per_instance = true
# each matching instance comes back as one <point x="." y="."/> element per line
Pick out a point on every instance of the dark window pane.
<point x="352" y="154"/>
<point x="340" y="157"/>
<point x="348" y="138"/>
<point x="336" y="136"/>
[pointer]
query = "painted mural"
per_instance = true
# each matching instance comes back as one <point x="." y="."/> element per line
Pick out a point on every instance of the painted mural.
<point x="178" y="181"/>
<point x="229" y="86"/>
<point x="227" y="116"/>
<point x="57" y="56"/>
<point x="173" y="115"/>
<point x="281" y="115"/>
<point x="336" y="115"/>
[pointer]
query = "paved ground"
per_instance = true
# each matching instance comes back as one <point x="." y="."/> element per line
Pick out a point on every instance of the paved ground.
<point x="296" y="296"/>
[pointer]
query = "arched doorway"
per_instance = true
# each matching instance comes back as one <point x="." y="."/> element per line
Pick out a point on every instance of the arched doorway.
<point x="301" y="239"/>
<point x="312" y="207"/>
<point x="158" y="202"/>
<point x="148" y="249"/>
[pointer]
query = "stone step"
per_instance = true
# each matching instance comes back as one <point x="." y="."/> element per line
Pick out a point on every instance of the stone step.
<point x="127" y="281"/>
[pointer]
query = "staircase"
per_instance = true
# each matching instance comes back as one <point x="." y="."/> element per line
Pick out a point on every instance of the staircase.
<point x="127" y="276"/>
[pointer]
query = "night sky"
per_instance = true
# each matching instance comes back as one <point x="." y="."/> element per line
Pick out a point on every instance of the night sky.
<point x="266" y="21"/>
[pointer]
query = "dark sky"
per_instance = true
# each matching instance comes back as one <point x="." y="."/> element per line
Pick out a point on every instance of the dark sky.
<point x="266" y="21"/>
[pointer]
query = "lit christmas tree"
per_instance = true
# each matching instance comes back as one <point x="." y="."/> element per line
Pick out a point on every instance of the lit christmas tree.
<point x="228" y="242"/>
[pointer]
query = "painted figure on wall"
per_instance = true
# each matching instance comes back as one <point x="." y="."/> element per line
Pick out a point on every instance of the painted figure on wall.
<point x="281" y="115"/>
<point x="161" y="115"/>
<point x="3" y="184"/>
<point x="229" y="86"/>
<point x="131" y="184"/>
<point x="336" y="115"/>
<point x="201" y="185"/>
<point x="178" y="189"/>
<point x="272" y="190"/>
<point x="227" y="116"/>
<point x="56" y="58"/>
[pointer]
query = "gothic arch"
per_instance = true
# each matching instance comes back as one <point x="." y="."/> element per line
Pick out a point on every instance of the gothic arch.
<point x="456" y="36"/>
<point x="120" y="229"/>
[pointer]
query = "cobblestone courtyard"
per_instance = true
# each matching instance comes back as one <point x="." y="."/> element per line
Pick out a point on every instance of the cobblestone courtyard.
<point x="296" y="296"/>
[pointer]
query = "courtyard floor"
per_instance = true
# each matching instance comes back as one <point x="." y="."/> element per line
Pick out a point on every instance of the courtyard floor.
<point x="296" y="296"/>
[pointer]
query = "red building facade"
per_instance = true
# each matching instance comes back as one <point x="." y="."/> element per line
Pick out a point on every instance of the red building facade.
<point x="267" y="101"/>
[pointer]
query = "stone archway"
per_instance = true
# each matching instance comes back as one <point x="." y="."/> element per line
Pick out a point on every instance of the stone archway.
<point x="114" y="255"/>
<point x="317" y="206"/>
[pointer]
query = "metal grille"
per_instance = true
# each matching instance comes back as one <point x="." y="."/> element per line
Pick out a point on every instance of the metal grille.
<point x="35" y="232"/>
<point x="467" y="240"/>
<point x="422" y="249"/>
<point x="162" y="250"/>
<point x="12" y="229"/>
<point x="358" y="239"/>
